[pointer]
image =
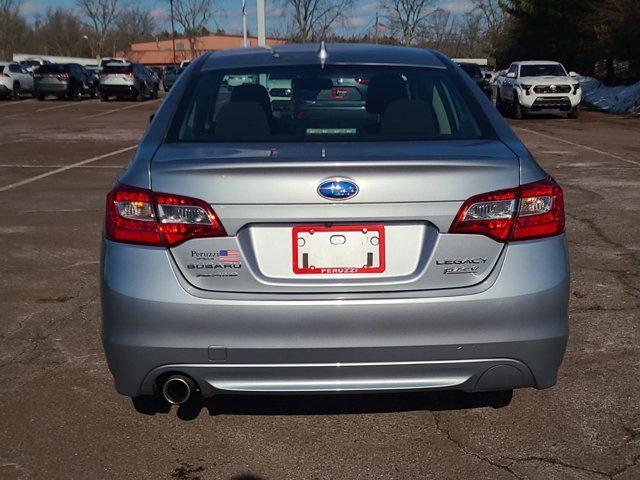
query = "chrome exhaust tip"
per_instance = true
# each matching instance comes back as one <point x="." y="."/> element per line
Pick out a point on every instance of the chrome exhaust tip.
<point x="177" y="389"/>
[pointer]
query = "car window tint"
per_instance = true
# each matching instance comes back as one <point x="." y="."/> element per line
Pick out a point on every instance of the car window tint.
<point x="110" y="69"/>
<point x="51" y="68"/>
<point x="471" y="69"/>
<point x="542" y="70"/>
<point x="337" y="103"/>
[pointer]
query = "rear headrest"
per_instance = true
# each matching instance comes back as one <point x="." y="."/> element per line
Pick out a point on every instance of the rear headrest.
<point x="412" y="118"/>
<point x="384" y="89"/>
<point x="251" y="92"/>
<point x="242" y="121"/>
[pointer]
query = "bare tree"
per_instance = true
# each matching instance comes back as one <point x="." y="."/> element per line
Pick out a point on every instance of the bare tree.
<point x="13" y="28"/>
<point x="193" y="16"/>
<point x="440" y="30"/>
<point x="494" y="20"/>
<point x="101" y="16"/>
<point x="313" y="20"/>
<point x="133" y="25"/>
<point x="470" y="36"/>
<point x="61" y="33"/>
<point x="406" y="18"/>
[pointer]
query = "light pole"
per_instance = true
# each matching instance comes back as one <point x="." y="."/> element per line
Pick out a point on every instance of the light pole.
<point x="173" y="34"/>
<point x="261" y="24"/>
<point x="245" y="44"/>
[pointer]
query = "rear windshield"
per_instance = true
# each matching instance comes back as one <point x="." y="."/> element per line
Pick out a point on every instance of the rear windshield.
<point x="471" y="69"/>
<point x="53" y="68"/>
<point x="337" y="103"/>
<point x="117" y="69"/>
<point x="542" y="70"/>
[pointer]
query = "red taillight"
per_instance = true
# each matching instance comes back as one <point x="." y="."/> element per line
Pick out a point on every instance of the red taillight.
<point x="362" y="81"/>
<point x="137" y="215"/>
<point x="533" y="210"/>
<point x="541" y="211"/>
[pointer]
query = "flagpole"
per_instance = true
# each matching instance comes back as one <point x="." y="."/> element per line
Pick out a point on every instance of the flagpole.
<point x="375" y="30"/>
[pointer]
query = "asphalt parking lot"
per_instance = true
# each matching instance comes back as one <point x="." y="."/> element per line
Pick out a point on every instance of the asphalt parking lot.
<point x="60" y="417"/>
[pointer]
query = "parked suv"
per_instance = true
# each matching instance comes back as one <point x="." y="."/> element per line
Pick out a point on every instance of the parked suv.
<point x="415" y="246"/>
<point x="170" y="77"/>
<point x="14" y="80"/>
<point x="64" y="80"/>
<point x="127" y="80"/>
<point x="535" y="86"/>
<point x="476" y="74"/>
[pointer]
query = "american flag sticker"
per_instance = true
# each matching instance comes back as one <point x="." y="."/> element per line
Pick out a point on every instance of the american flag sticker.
<point x="228" y="256"/>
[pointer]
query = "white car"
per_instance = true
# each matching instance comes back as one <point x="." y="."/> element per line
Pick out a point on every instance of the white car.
<point x="14" y="80"/>
<point x="535" y="86"/>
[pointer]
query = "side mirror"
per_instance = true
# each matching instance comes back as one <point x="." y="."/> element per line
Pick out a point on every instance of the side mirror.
<point x="573" y="74"/>
<point x="511" y="75"/>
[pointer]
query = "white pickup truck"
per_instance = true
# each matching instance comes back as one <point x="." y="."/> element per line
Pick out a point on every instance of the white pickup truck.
<point x="535" y="86"/>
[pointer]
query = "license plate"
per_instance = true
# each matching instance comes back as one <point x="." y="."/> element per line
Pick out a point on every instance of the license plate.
<point x="338" y="250"/>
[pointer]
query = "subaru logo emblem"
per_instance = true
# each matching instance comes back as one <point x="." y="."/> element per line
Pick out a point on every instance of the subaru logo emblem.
<point x="337" y="189"/>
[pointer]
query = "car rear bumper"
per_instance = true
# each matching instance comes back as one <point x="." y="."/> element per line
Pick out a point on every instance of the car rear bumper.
<point x="118" y="89"/>
<point x="508" y="332"/>
<point x="51" y="88"/>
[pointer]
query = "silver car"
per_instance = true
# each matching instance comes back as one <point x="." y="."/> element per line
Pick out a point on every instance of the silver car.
<point x="406" y="242"/>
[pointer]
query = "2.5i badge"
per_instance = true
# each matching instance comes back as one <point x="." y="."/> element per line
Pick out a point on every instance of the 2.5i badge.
<point x="461" y="265"/>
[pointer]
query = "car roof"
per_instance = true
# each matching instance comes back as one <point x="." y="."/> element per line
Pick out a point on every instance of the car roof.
<point x="538" y="62"/>
<point x="305" y="54"/>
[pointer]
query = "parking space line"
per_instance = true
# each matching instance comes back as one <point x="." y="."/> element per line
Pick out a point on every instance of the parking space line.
<point x="586" y="147"/>
<point x="66" y="167"/>
<point x="19" y="102"/>
<point x="8" y="165"/>
<point x="123" y="108"/>
<point x="70" y="104"/>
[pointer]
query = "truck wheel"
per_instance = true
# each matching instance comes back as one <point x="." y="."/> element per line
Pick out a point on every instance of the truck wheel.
<point x="519" y="112"/>
<point x="574" y="112"/>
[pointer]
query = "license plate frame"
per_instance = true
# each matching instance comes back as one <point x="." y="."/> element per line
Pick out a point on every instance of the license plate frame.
<point x="338" y="269"/>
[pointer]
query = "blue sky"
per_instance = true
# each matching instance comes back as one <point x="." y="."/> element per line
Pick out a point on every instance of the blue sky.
<point x="229" y="11"/>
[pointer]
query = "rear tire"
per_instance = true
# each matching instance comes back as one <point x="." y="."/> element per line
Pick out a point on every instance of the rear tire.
<point x="74" y="94"/>
<point x="154" y="93"/>
<point x="40" y="98"/>
<point x="104" y="97"/>
<point x="500" y="103"/>
<point x="519" y="112"/>
<point x="15" y="93"/>
<point x="141" y="94"/>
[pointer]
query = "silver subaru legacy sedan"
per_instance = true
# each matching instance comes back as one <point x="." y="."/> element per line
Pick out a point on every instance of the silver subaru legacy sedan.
<point x="338" y="218"/>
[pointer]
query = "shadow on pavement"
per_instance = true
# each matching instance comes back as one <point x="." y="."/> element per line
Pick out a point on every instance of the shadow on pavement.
<point x="344" y="404"/>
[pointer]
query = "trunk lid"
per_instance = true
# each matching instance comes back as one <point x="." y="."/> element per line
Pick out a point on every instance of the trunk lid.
<point x="412" y="190"/>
